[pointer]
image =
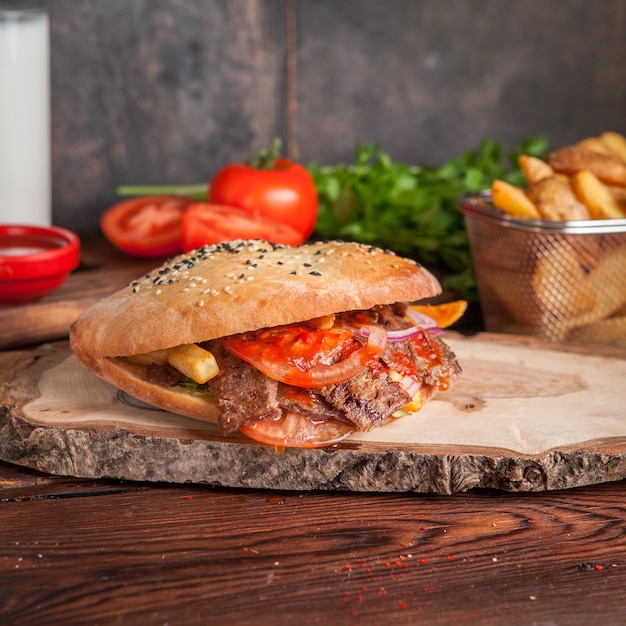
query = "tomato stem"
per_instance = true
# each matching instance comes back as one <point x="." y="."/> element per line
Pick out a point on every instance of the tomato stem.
<point x="264" y="159"/>
<point x="197" y="192"/>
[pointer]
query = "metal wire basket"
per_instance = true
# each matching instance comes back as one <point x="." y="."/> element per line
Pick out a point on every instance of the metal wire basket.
<point x="560" y="281"/>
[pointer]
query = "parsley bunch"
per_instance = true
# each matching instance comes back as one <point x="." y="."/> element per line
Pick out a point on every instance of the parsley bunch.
<point x="413" y="210"/>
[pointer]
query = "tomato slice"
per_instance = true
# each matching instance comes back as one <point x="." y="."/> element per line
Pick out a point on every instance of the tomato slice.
<point x="205" y="223"/>
<point x="147" y="226"/>
<point x="298" y="355"/>
<point x="295" y="430"/>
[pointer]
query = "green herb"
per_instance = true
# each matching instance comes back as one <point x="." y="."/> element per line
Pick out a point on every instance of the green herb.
<point x="196" y="388"/>
<point x="410" y="209"/>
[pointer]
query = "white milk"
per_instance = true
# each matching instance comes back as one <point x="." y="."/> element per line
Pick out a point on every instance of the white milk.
<point x="25" y="182"/>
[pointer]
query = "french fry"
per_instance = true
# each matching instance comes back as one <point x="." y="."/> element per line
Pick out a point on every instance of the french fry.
<point x="194" y="362"/>
<point x="156" y="356"/>
<point x="555" y="200"/>
<point x="512" y="200"/>
<point x="596" y="196"/>
<point x="609" y="168"/>
<point x="534" y="169"/>
<point x="615" y="142"/>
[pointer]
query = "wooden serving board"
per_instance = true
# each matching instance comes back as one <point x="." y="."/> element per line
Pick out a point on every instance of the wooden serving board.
<point x="525" y="416"/>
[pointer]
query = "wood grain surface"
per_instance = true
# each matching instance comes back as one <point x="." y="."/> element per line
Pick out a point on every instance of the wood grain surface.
<point x="108" y="552"/>
<point x="525" y="416"/>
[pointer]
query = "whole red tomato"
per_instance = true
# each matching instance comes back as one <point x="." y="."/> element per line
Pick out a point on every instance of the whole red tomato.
<point x="274" y="188"/>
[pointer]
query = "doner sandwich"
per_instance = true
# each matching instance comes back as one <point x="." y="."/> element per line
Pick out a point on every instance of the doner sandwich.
<point x="293" y="346"/>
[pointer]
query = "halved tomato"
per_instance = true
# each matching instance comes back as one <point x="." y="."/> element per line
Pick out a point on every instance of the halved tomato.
<point x="205" y="223"/>
<point x="147" y="226"/>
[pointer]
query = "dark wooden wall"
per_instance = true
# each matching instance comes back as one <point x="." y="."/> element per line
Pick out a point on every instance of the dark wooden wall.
<point x="166" y="91"/>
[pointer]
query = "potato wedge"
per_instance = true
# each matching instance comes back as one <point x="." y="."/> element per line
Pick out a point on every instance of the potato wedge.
<point x="615" y="142"/>
<point x="608" y="281"/>
<point x="594" y="144"/>
<point x="512" y="200"/>
<point x="609" y="168"/>
<point x="534" y="169"/>
<point x="619" y="194"/>
<point x="560" y="285"/>
<point x="555" y="200"/>
<point x="596" y="196"/>
<point x="610" y="331"/>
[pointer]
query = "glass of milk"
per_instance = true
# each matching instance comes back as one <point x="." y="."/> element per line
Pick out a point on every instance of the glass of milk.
<point x="25" y="179"/>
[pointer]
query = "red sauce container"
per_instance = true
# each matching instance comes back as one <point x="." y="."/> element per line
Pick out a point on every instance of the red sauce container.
<point x="34" y="261"/>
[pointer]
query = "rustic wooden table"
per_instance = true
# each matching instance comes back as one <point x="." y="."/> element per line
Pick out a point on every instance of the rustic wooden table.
<point x="103" y="552"/>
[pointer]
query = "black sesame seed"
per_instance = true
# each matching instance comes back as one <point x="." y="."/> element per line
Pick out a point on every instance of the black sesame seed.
<point x="315" y="273"/>
<point x="293" y="273"/>
<point x="306" y="264"/>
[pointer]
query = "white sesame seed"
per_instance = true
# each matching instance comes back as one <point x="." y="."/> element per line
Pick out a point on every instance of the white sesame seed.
<point x="250" y="278"/>
<point x="158" y="291"/>
<point x="227" y="289"/>
<point x="201" y="303"/>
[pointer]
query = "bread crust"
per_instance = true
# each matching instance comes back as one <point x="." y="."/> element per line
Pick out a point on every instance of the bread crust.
<point x="221" y="290"/>
<point x="132" y="379"/>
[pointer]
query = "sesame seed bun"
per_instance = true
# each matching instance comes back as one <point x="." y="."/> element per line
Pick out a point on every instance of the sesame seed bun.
<point x="240" y="286"/>
<point x="231" y="288"/>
